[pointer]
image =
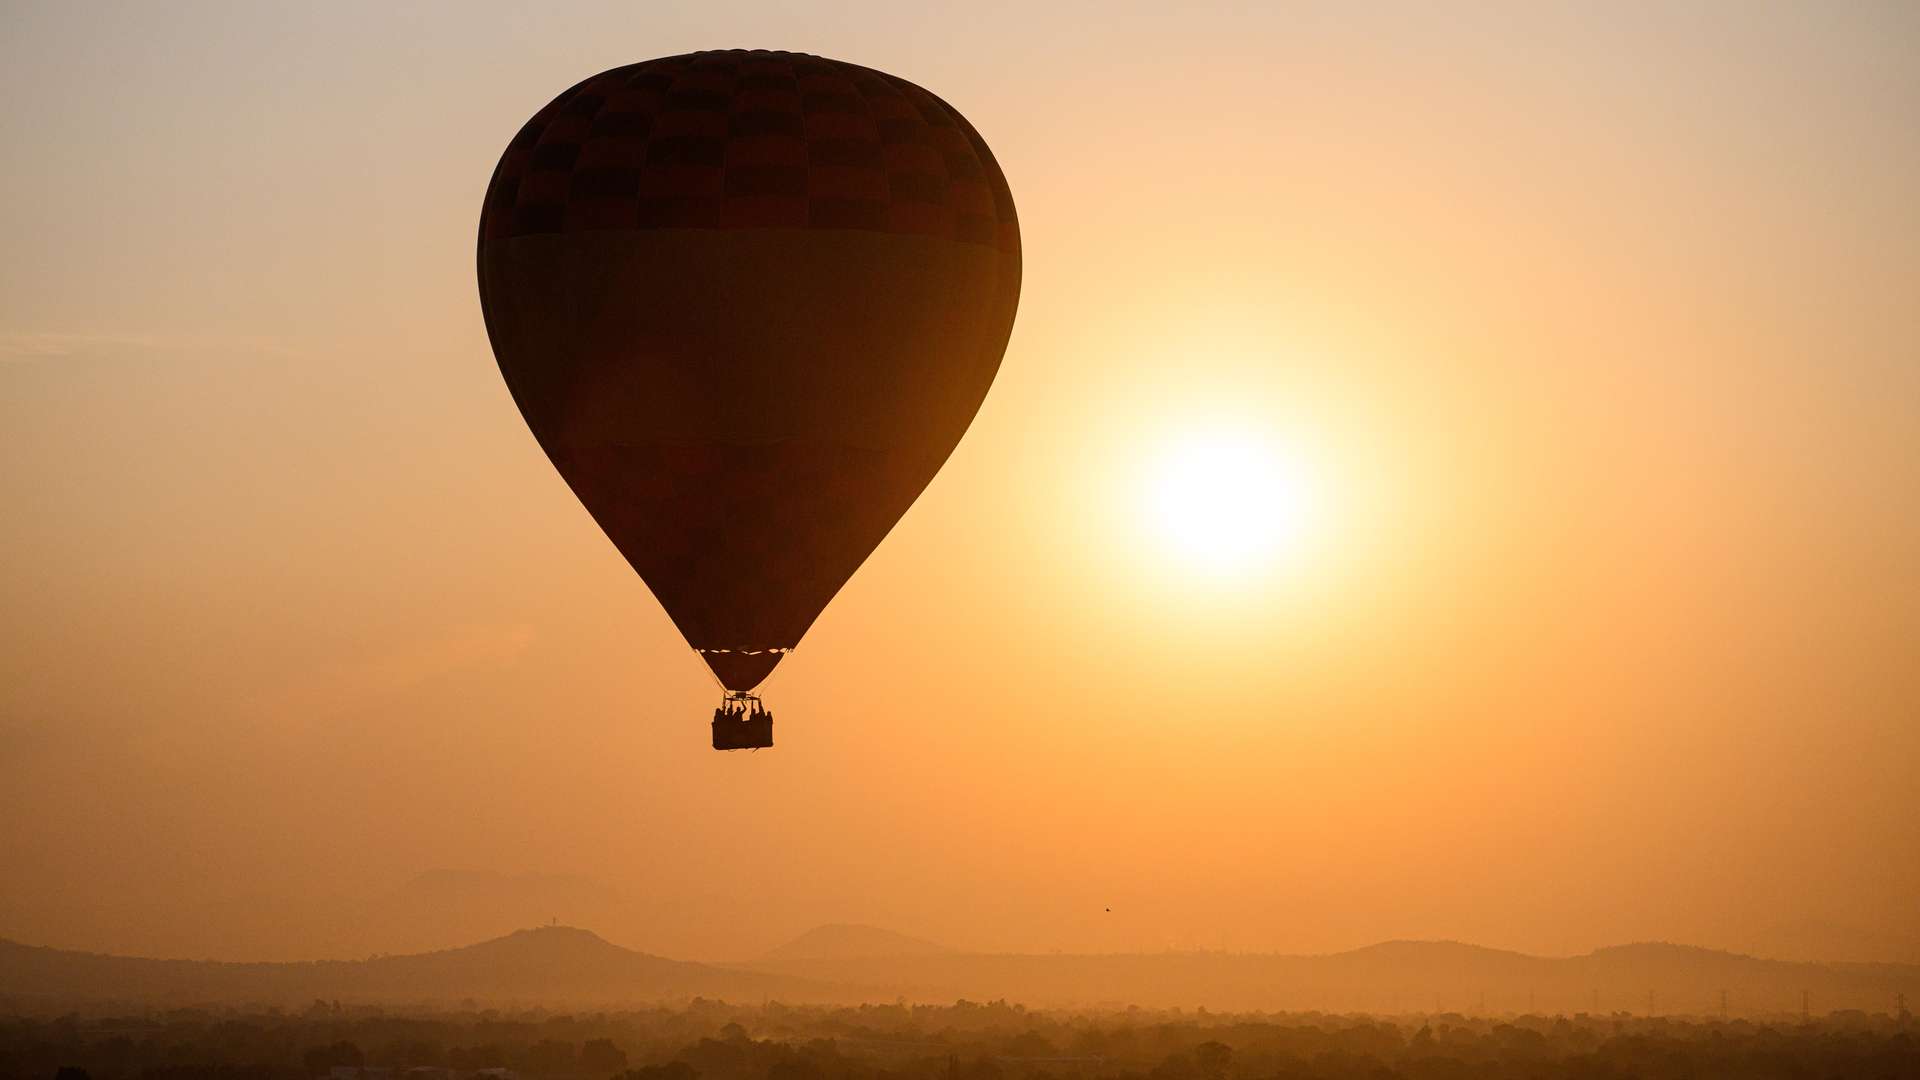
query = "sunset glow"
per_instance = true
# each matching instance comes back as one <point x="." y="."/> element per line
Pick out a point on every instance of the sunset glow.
<point x="1226" y="501"/>
<point x="1453" y="473"/>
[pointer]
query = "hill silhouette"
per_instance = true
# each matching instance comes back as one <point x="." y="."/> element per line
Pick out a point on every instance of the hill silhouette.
<point x="849" y="964"/>
<point x="448" y="908"/>
<point x="1395" y="976"/>
<point x="551" y="964"/>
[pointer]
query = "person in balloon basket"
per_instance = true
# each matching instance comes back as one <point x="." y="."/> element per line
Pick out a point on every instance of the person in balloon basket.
<point x="759" y="726"/>
<point x="736" y="726"/>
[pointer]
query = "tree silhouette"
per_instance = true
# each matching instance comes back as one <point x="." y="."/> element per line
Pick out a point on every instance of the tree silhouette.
<point x="1212" y="1058"/>
<point x="599" y="1057"/>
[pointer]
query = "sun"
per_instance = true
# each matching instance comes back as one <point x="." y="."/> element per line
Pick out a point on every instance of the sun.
<point x="1229" y="502"/>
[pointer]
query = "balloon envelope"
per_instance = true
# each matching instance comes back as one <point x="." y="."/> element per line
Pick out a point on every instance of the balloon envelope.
<point x="748" y="303"/>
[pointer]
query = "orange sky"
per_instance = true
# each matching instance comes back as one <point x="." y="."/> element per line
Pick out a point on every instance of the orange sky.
<point x="1595" y="329"/>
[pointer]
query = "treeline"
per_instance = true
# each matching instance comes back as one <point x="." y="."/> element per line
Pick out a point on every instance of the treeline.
<point x="708" y="1040"/>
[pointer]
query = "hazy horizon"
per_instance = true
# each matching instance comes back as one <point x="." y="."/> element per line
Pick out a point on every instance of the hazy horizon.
<point x="1586" y="337"/>
<point x="442" y="909"/>
<point x="561" y="967"/>
<point x="1901" y="953"/>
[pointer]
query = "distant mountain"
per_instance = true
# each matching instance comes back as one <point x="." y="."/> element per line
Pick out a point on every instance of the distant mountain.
<point x="553" y="964"/>
<point x="557" y="965"/>
<point x="1398" y="976"/>
<point x="443" y="909"/>
<point x="848" y="941"/>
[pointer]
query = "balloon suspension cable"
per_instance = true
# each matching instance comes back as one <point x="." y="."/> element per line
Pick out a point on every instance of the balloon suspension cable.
<point x="764" y="683"/>
<point x="743" y="721"/>
<point x="774" y="674"/>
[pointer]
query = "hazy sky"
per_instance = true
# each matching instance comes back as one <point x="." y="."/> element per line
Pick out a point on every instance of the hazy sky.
<point x="1594" y="332"/>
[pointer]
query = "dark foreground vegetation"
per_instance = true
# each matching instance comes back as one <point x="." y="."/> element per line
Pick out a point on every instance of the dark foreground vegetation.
<point x="966" y="1041"/>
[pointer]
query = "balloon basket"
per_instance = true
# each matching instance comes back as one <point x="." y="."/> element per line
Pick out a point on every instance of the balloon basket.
<point x="742" y="723"/>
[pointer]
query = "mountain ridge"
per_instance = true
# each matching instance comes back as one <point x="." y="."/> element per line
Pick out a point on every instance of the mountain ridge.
<point x="562" y="964"/>
<point x="555" y="963"/>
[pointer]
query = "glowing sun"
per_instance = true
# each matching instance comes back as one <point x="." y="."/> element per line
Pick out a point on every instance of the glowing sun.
<point x="1229" y="501"/>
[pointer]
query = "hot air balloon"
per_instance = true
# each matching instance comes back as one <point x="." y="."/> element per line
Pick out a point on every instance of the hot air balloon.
<point x="748" y="302"/>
